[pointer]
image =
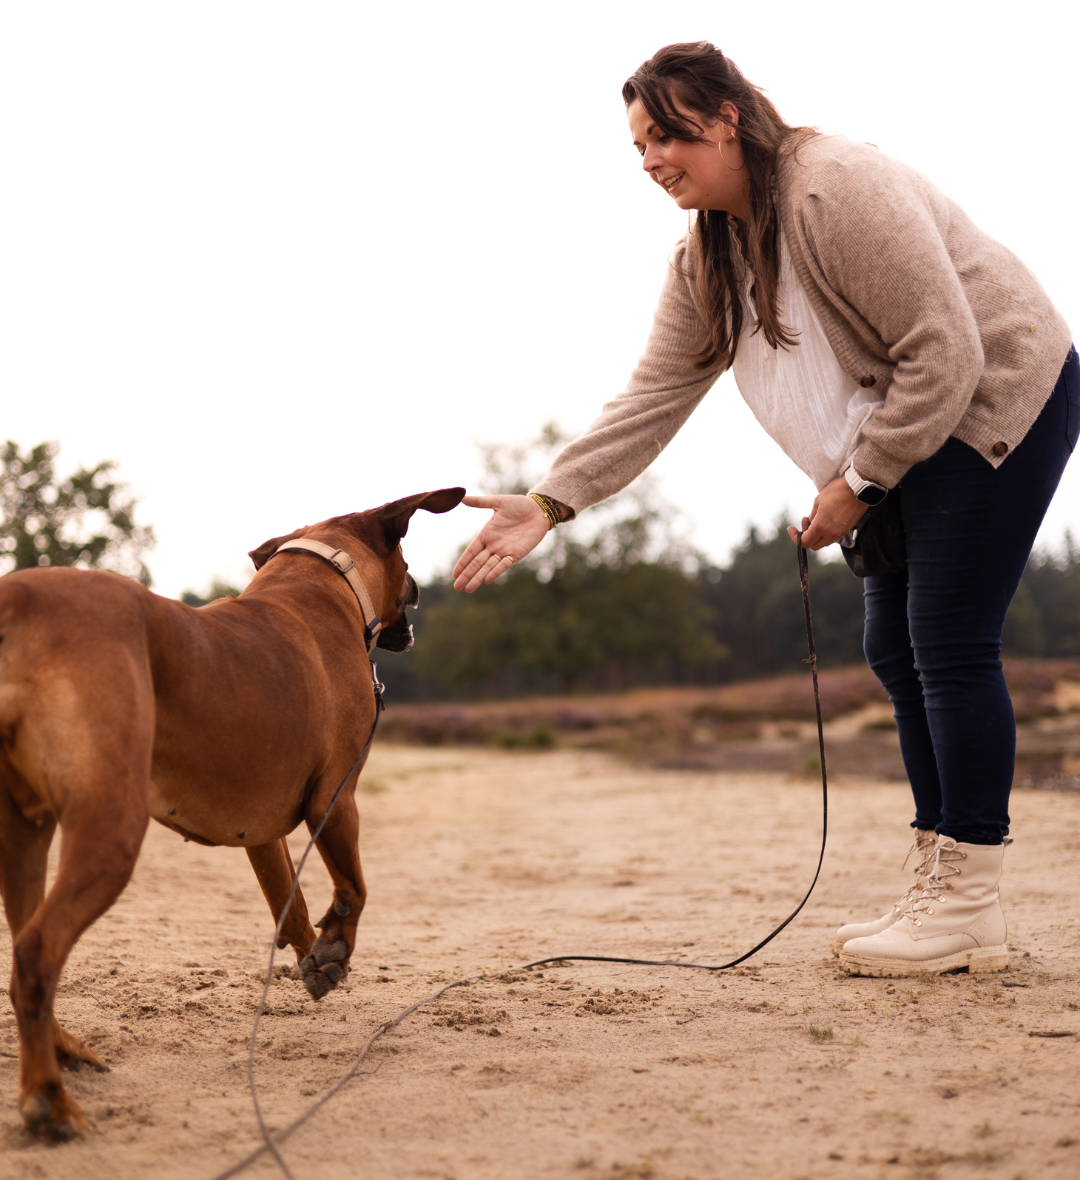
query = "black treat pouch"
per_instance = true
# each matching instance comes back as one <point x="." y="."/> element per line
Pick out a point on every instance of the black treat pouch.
<point x="879" y="546"/>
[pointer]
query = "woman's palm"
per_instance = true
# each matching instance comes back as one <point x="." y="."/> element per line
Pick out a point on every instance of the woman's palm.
<point x="516" y="526"/>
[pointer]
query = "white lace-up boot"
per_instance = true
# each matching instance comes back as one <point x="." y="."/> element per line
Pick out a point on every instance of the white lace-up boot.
<point x="955" y="920"/>
<point x="923" y="851"/>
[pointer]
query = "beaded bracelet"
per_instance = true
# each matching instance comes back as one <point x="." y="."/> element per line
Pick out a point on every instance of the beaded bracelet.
<point x="549" y="509"/>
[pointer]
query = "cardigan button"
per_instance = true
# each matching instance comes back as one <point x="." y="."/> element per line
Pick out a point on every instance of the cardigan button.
<point x="868" y="382"/>
<point x="1000" y="448"/>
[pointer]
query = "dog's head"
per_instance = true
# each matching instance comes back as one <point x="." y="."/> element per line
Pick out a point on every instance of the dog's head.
<point x="380" y="530"/>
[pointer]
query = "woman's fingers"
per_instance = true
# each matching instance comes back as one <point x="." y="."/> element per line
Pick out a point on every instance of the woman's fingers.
<point x="793" y="532"/>
<point x="481" y="501"/>
<point x="488" y="567"/>
<point x="476" y="547"/>
<point x="502" y="564"/>
<point x="816" y="533"/>
<point x="466" y="571"/>
<point x="482" y="570"/>
<point x="480" y="575"/>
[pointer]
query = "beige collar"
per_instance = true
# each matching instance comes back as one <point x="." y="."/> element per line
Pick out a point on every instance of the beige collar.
<point x="345" y="566"/>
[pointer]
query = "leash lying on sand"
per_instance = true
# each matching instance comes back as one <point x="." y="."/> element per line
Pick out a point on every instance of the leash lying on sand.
<point x="804" y="579"/>
<point x="272" y="1140"/>
<point x="280" y="1136"/>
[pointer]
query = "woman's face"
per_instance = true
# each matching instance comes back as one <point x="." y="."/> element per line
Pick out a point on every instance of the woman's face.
<point x="696" y="175"/>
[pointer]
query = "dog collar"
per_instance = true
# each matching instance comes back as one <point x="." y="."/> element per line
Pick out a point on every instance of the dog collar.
<point x="345" y="566"/>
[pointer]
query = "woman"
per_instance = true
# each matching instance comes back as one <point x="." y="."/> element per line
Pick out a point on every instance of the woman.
<point x="894" y="351"/>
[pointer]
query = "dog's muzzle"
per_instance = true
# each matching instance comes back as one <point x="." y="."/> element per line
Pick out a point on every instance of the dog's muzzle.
<point x="399" y="637"/>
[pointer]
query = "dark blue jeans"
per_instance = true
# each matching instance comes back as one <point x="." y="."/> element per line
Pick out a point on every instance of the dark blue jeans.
<point x="933" y="631"/>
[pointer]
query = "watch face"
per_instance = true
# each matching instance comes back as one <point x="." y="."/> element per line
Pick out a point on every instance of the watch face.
<point x="872" y="495"/>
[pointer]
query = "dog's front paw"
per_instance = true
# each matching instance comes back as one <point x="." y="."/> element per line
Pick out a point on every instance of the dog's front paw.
<point x="323" y="969"/>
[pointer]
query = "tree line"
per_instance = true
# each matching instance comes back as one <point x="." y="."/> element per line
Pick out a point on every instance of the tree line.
<point x="618" y="600"/>
<point x="612" y="621"/>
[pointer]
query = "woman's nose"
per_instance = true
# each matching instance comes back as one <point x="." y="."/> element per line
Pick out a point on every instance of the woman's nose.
<point x="652" y="158"/>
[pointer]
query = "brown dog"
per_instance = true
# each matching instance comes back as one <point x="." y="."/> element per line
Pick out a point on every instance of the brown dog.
<point x="230" y="724"/>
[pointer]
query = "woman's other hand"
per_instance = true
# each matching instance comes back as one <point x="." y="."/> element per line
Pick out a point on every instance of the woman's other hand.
<point x="516" y="527"/>
<point x="836" y="511"/>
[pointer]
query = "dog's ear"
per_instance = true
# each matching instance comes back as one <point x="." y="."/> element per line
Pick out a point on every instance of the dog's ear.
<point x="394" y="517"/>
<point x="267" y="549"/>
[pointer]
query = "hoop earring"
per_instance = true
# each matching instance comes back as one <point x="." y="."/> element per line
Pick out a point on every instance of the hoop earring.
<point x="720" y="148"/>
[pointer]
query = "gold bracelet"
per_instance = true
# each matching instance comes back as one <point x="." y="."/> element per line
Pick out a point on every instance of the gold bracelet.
<point x="549" y="509"/>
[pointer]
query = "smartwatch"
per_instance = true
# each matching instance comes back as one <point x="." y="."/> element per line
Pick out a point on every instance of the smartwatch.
<point x="866" y="491"/>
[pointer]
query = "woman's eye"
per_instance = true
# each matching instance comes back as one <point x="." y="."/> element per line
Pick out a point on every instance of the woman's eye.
<point x="640" y="151"/>
<point x="662" y="139"/>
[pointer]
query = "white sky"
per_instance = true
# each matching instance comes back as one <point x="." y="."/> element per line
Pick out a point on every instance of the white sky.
<point x="287" y="261"/>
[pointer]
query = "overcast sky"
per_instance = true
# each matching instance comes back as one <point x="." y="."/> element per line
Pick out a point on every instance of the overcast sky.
<point x="288" y="261"/>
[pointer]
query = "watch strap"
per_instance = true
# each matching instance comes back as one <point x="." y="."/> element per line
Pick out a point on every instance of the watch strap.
<point x="859" y="486"/>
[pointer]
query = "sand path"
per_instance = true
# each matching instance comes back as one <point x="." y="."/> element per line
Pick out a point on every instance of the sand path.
<point x="480" y="861"/>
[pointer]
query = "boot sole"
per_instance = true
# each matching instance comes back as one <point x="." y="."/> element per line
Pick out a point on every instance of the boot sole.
<point x="980" y="958"/>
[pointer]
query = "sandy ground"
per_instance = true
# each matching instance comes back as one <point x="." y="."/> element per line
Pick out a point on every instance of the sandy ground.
<point x="480" y="861"/>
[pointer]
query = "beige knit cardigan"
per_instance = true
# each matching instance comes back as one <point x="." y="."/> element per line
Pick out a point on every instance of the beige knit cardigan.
<point x="914" y="299"/>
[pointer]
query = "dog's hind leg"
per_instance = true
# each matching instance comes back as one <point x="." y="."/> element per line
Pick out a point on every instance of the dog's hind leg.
<point x="328" y="963"/>
<point x="100" y="846"/>
<point x="24" y="851"/>
<point x="83" y="743"/>
<point x="24" y="854"/>
<point x="273" y="867"/>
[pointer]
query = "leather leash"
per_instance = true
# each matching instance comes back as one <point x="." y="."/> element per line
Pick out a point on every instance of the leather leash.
<point x="345" y="566"/>
<point x="804" y="581"/>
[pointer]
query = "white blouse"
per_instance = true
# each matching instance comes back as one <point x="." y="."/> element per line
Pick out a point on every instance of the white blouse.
<point x="801" y="395"/>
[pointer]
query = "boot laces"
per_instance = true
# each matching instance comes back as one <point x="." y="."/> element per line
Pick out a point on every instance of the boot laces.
<point x="925" y="847"/>
<point x="943" y="864"/>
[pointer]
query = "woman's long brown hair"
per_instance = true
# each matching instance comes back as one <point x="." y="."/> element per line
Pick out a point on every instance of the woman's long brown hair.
<point x="701" y="79"/>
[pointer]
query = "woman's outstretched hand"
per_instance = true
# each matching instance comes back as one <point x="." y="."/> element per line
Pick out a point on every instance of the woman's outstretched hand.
<point x="836" y="511"/>
<point x="516" y="527"/>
